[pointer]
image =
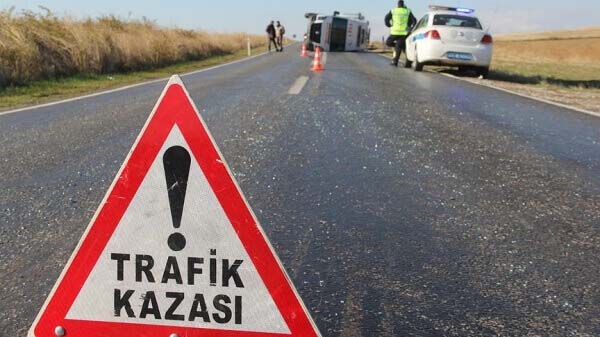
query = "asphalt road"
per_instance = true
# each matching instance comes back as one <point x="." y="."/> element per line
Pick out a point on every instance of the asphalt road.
<point x="401" y="204"/>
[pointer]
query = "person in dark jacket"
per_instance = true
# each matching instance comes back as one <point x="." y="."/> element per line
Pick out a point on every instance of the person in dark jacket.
<point x="401" y="21"/>
<point x="271" y="35"/>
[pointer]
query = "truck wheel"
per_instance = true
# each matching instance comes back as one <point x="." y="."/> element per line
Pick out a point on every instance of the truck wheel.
<point x="407" y="64"/>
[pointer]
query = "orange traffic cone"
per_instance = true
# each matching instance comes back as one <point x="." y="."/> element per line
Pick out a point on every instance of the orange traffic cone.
<point x="317" y="66"/>
<point x="304" y="51"/>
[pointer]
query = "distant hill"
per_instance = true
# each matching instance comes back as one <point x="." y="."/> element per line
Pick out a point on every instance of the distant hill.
<point x="583" y="33"/>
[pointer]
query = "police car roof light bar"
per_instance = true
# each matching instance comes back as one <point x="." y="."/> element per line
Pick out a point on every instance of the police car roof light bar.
<point x="454" y="9"/>
<point x="465" y="10"/>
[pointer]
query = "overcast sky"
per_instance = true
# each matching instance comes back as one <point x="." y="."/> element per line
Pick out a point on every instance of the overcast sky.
<point x="502" y="16"/>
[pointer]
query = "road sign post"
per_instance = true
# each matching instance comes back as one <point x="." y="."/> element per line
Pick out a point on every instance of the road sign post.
<point x="174" y="248"/>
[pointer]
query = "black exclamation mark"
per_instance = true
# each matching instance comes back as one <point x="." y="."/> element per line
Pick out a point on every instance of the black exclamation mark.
<point x="176" y="161"/>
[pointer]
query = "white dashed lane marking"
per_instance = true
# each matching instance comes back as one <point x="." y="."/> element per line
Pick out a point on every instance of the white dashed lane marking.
<point x="296" y="88"/>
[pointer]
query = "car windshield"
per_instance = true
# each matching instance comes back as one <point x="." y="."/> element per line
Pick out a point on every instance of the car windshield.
<point x="456" y="21"/>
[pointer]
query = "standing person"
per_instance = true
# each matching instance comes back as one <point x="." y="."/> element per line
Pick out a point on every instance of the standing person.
<point x="400" y="20"/>
<point x="271" y="35"/>
<point x="279" y="32"/>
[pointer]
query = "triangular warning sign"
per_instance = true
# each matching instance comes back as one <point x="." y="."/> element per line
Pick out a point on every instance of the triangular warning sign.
<point x="174" y="249"/>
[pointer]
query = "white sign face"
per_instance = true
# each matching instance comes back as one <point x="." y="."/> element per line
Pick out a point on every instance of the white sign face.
<point x="202" y="277"/>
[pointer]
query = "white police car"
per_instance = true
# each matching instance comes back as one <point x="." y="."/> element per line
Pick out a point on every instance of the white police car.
<point x="449" y="36"/>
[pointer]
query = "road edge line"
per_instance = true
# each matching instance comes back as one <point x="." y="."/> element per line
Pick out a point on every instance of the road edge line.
<point x="542" y="100"/>
<point x="129" y="86"/>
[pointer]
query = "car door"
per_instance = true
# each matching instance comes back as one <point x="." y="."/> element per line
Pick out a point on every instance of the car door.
<point x="411" y="40"/>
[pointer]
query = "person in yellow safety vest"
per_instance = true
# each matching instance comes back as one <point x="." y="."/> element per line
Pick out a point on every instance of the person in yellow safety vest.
<point x="401" y="21"/>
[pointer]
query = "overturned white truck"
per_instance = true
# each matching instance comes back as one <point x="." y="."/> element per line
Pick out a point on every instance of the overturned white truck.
<point x="337" y="32"/>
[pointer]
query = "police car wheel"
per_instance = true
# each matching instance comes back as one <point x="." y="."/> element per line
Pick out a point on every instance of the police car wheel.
<point x="416" y="65"/>
<point x="483" y="71"/>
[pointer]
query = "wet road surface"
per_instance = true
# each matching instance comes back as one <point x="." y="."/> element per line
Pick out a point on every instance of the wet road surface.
<point x="401" y="204"/>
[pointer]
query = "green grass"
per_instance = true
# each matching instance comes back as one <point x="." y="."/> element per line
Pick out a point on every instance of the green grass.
<point x="51" y="90"/>
<point x="566" y="75"/>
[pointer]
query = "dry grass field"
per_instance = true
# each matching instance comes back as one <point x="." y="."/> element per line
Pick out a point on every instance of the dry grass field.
<point x="559" y="66"/>
<point x="592" y="32"/>
<point x="570" y="56"/>
<point x="36" y="46"/>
